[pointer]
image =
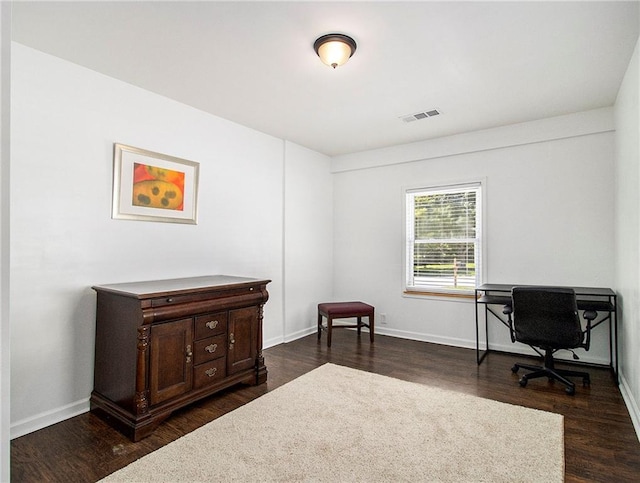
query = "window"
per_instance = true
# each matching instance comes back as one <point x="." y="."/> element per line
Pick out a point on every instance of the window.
<point x="443" y="239"/>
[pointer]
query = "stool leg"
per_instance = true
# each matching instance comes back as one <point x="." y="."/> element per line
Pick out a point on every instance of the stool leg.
<point x="329" y="329"/>
<point x="359" y="325"/>
<point x="319" y="325"/>
<point x="371" y="323"/>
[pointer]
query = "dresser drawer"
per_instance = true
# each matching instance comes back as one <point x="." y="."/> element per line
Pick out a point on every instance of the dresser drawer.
<point x="209" y="372"/>
<point x="180" y="299"/>
<point x="211" y="324"/>
<point x="208" y="349"/>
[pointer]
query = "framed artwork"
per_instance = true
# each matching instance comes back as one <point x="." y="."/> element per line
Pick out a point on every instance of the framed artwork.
<point x="150" y="186"/>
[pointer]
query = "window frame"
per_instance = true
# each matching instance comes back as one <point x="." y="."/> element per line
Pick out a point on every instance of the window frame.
<point x="409" y="194"/>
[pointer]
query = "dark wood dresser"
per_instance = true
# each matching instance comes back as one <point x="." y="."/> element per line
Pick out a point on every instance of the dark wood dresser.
<point x="163" y="344"/>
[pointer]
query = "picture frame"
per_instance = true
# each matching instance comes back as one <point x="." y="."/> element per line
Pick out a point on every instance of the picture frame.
<point x="150" y="186"/>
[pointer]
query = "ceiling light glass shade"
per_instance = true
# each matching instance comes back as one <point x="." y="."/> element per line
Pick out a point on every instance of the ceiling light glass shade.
<point x="334" y="49"/>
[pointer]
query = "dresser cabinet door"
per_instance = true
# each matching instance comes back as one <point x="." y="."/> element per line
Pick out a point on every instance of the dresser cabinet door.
<point x="170" y="360"/>
<point x="242" y="339"/>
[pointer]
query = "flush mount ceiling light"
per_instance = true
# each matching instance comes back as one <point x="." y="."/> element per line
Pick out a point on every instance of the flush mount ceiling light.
<point x="334" y="49"/>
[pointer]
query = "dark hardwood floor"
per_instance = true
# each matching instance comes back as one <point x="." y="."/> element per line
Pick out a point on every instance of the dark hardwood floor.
<point x="600" y="442"/>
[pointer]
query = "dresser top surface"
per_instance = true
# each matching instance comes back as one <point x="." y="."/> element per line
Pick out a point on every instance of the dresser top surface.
<point x="153" y="288"/>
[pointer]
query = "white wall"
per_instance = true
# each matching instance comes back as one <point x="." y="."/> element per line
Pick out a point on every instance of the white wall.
<point x="549" y="206"/>
<point x="5" y="102"/>
<point x="65" y="119"/>
<point x="627" y="113"/>
<point x="308" y="240"/>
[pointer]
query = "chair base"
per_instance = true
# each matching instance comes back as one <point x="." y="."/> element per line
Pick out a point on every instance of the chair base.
<point x="548" y="370"/>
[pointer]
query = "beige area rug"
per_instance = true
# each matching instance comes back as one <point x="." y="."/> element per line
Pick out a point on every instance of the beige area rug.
<point x="337" y="424"/>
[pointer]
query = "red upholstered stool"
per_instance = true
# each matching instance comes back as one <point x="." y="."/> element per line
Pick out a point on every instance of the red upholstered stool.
<point x="344" y="310"/>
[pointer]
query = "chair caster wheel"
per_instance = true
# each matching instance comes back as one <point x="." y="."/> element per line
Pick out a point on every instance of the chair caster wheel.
<point x="523" y="381"/>
<point x="515" y="369"/>
<point x="570" y="390"/>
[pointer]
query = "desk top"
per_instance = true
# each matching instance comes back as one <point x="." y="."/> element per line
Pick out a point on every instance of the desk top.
<point x="585" y="291"/>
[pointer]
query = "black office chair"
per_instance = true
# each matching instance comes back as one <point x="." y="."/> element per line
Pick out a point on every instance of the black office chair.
<point x="547" y="318"/>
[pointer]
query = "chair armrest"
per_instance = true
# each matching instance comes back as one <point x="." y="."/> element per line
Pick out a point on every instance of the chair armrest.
<point x="589" y="316"/>
<point x="508" y="310"/>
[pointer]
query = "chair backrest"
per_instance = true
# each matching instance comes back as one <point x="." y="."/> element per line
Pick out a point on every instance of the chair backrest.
<point x="547" y="317"/>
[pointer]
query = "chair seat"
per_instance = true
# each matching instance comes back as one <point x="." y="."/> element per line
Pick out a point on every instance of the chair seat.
<point x="345" y="310"/>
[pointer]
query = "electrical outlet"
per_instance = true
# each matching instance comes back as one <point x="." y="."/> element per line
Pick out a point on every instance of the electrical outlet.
<point x="383" y="319"/>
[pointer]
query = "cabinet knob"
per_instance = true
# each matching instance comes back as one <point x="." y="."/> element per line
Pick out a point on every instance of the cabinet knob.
<point x="211" y="348"/>
<point x="189" y="354"/>
<point x="212" y="324"/>
<point x="169" y="300"/>
<point x="231" y="340"/>
<point x="211" y="372"/>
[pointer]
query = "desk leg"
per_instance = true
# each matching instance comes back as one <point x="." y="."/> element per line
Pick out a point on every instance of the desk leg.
<point x="480" y="358"/>
<point x="615" y="341"/>
<point x="611" y="344"/>
<point x="477" y="333"/>
<point x="486" y="332"/>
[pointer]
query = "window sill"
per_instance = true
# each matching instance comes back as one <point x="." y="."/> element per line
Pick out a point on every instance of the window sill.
<point x="453" y="297"/>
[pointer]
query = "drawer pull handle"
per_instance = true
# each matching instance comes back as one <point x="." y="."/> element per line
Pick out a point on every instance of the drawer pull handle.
<point x="169" y="300"/>
<point x="189" y="354"/>
<point x="211" y="372"/>
<point x="231" y="340"/>
<point x="212" y="324"/>
<point x="211" y="348"/>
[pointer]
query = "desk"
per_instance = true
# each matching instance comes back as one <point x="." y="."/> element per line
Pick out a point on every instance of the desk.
<point x="603" y="300"/>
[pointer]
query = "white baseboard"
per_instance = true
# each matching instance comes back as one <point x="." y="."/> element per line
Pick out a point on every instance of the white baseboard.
<point x="632" y="404"/>
<point x="403" y="334"/>
<point x="471" y="344"/>
<point x="42" y="420"/>
<point x="272" y="342"/>
<point x="300" y="334"/>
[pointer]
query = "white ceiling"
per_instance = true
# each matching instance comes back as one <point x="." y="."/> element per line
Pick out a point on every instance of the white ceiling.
<point x="482" y="64"/>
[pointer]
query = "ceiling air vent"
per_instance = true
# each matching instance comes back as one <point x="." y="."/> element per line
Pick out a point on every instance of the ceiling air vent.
<point x="420" y="115"/>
